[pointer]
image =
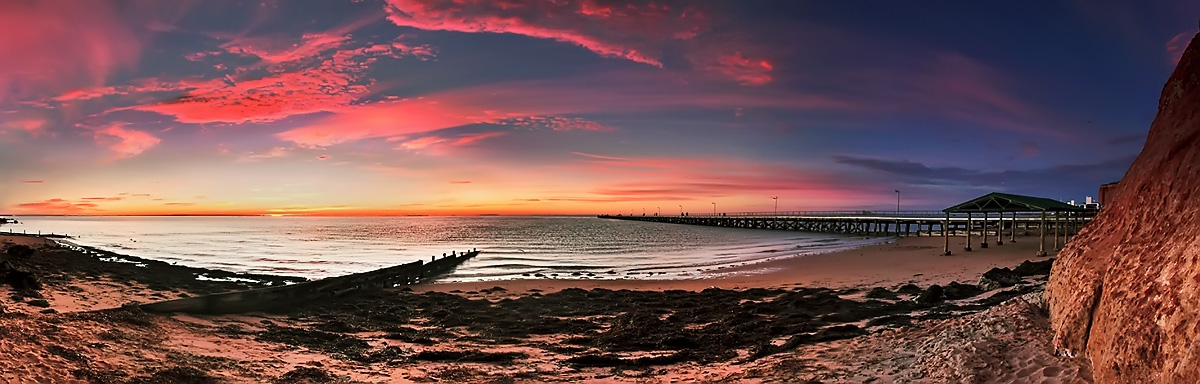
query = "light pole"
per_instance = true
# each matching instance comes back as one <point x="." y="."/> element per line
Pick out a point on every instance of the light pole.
<point x="776" y="198"/>
<point x="897" y="212"/>
<point x="714" y="208"/>
<point x="680" y="209"/>
<point x="659" y="211"/>
<point x="897" y="203"/>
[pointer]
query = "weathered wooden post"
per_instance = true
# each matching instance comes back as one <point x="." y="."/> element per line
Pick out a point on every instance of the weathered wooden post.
<point x="946" y="233"/>
<point x="983" y="241"/>
<point x="1042" y="234"/>
<point x="1057" y="223"/>
<point x="1013" y="239"/>
<point x="968" y="231"/>
<point x="1000" y="228"/>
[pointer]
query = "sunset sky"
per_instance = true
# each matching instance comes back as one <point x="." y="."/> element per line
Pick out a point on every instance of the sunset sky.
<point x="570" y="107"/>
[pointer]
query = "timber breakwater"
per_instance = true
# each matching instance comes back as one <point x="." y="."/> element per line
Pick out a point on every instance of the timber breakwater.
<point x="283" y="297"/>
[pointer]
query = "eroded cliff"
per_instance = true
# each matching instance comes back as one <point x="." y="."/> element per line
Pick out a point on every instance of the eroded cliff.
<point x="1126" y="290"/>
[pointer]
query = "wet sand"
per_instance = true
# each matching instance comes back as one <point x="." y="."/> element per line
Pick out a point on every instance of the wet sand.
<point x="916" y="260"/>
<point x="861" y="315"/>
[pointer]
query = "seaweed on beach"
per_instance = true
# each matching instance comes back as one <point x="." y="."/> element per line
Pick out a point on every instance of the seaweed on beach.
<point x="176" y="375"/>
<point x="317" y="340"/>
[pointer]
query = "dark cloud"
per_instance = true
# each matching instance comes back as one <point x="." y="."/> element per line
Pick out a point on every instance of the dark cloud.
<point x="1047" y="178"/>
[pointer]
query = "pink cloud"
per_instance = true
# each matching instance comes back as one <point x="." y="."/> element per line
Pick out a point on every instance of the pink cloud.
<point x="322" y="72"/>
<point x="1176" y="45"/>
<point x="32" y="127"/>
<point x="86" y="94"/>
<point x="51" y="45"/>
<point x="386" y="119"/>
<point x="56" y="206"/>
<point x="442" y="144"/>
<point x="263" y="99"/>
<point x="32" y="181"/>
<point x="744" y="70"/>
<point x="629" y="30"/>
<point x="273" y="51"/>
<point x="125" y="142"/>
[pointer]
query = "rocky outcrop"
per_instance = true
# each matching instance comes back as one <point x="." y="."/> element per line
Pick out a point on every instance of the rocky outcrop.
<point x="1126" y="290"/>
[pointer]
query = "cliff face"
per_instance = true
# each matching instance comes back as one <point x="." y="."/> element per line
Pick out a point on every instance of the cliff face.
<point x="1126" y="291"/>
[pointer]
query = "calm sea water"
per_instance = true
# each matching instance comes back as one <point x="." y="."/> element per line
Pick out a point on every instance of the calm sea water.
<point x="318" y="247"/>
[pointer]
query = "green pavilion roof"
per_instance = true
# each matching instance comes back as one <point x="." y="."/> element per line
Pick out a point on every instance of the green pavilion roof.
<point x="1006" y="202"/>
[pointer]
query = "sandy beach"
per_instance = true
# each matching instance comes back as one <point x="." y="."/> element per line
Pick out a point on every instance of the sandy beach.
<point x="868" y="314"/>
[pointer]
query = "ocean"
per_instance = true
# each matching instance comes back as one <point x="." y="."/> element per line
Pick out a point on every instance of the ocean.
<point x="513" y="247"/>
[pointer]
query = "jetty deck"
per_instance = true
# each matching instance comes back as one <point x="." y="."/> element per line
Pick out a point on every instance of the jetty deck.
<point x="997" y="226"/>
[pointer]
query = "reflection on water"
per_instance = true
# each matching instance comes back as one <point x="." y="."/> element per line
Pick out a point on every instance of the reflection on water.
<point x="322" y="246"/>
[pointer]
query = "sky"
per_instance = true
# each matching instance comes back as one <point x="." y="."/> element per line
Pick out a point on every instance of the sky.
<point x="449" y="107"/>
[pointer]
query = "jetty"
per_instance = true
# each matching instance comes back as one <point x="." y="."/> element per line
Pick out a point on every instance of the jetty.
<point x="991" y="216"/>
<point x="289" y="296"/>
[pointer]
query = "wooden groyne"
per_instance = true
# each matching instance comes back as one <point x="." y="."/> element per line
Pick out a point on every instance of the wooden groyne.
<point x="274" y="298"/>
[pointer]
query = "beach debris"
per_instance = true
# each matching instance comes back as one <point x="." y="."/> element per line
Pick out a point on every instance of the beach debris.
<point x="176" y="375"/>
<point x="909" y="289"/>
<point x="958" y="291"/>
<point x="880" y="293"/>
<point x="20" y="251"/>
<point x="307" y="375"/>
<point x="997" y="278"/>
<point x="932" y="295"/>
<point x="19" y="279"/>
<point x="1032" y="268"/>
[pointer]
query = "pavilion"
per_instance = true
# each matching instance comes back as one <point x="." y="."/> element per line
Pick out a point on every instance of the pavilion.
<point x="1001" y="203"/>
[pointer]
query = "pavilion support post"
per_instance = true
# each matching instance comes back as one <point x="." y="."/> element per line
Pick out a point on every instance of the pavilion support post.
<point x="1013" y="239"/>
<point x="983" y="233"/>
<point x="1042" y="231"/>
<point x="968" y="231"/>
<point x="946" y="233"/>
<point x="1057" y="223"/>
<point x="1000" y="228"/>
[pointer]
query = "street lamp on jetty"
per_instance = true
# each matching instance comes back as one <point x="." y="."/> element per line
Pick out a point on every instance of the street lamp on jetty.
<point x="714" y="208"/>
<point x="897" y="211"/>
<point x="680" y="209"/>
<point x="776" y="198"/>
